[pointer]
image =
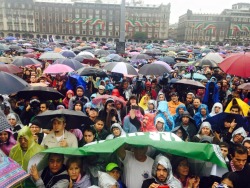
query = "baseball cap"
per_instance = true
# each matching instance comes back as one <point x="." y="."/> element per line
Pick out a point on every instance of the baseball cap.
<point x="94" y="109"/>
<point x="62" y="118"/>
<point x="112" y="166"/>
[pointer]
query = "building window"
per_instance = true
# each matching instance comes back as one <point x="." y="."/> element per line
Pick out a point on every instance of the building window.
<point x="110" y="33"/>
<point x="90" y="32"/>
<point x="116" y="33"/>
<point x="84" y="32"/>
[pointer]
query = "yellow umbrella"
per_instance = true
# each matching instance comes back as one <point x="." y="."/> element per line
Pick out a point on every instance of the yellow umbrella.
<point x="244" y="106"/>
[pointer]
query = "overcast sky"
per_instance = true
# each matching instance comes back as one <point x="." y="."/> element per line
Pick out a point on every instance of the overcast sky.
<point x="179" y="7"/>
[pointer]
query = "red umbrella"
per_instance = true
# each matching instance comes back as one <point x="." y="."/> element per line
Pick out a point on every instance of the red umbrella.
<point x="10" y="68"/>
<point x="99" y="99"/>
<point x="237" y="64"/>
<point x="91" y="62"/>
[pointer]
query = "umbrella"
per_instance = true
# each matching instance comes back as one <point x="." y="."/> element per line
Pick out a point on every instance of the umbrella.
<point x="91" y="71"/>
<point x="57" y="69"/>
<point x="182" y="64"/>
<point x="51" y="56"/>
<point x="171" y="53"/>
<point x="3" y="47"/>
<point x="121" y="67"/>
<point x="164" y="64"/>
<point x="163" y="141"/>
<point x="114" y="57"/>
<point x="68" y="53"/>
<point x="217" y="121"/>
<point x="5" y="60"/>
<point x="215" y="57"/>
<point x="100" y="98"/>
<point x="74" y="119"/>
<point x="91" y="62"/>
<point x="43" y="93"/>
<point x="196" y="76"/>
<point x="10" y="38"/>
<point x="191" y="83"/>
<point x="140" y="56"/>
<point x="30" y="55"/>
<point x="24" y="61"/>
<point x="15" y="47"/>
<point x="11" y="173"/>
<point x="10" y="68"/>
<point x="245" y="86"/>
<point x="205" y="62"/>
<point x="27" y="44"/>
<point x="11" y="83"/>
<point x="153" y="69"/>
<point x="86" y="53"/>
<point x="167" y="59"/>
<point x="101" y="53"/>
<point x="80" y="58"/>
<point x="74" y="64"/>
<point x="237" y="64"/>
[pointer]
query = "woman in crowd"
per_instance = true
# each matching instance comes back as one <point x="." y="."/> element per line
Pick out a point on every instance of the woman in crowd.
<point x="116" y="131"/>
<point x="65" y="101"/>
<point x="7" y="141"/>
<point x="15" y="122"/>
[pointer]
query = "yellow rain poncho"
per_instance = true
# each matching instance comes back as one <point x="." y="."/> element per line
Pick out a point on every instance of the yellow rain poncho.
<point x="144" y="102"/>
<point x="244" y="106"/>
<point x="16" y="152"/>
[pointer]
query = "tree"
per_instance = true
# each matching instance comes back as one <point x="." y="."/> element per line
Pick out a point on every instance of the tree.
<point x="140" y="35"/>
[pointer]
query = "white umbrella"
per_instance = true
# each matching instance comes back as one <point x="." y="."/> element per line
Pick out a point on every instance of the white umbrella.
<point x="86" y="53"/>
<point x="51" y="56"/>
<point x="121" y="67"/>
<point x="214" y="56"/>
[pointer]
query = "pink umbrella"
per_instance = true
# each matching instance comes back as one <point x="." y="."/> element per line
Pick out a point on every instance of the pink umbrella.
<point x="57" y="69"/>
<point x="133" y="53"/>
<point x="164" y="64"/>
<point x="29" y="50"/>
<point x="99" y="99"/>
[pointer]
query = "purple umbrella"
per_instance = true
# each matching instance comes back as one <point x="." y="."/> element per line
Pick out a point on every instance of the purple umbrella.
<point x="164" y="64"/>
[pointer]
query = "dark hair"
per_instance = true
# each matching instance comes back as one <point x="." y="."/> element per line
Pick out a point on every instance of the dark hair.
<point x="78" y="102"/>
<point x="236" y="106"/>
<point x="233" y="177"/>
<point x="46" y="104"/>
<point x="9" y="135"/>
<point x="57" y="154"/>
<point x="89" y="129"/>
<point x="224" y="144"/>
<point x="240" y="149"/>
<point x="99" y="119"/>
<point x="197" y="98"/>
<point x="76" y="160"/>
<point x="176" y="162"/>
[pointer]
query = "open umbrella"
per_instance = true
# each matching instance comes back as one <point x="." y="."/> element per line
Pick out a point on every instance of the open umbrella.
<point x="237" y="64"/>
<point x="68" y="53"/>
<point x="164" y="64"/>
<point x="5" y="60"/>
<point x="205" y="62"/>
<point x="140" y="56"/>
<point x="57" y="69"/>
<point x="163" y="141"/>
<point x="245" y="86"/>
<point x="24" y="61"/>
<point x="191" y="83"/>
<point x="196" y="76"/>
<point x="74" y="64"/>
<point x="80" y="58"/>
<point x="74" y="119"/>
<point x="51" y="56"/>
<point x="100" y="98"/>
<point x="121" y="67"/>
<point x="153" y="69"/>
<point x="15" y="47"/>
<point x="11" y="83"/>
<point x="91" y="71"/>
<point x="101" y="53"/>
<point x="91" y="62"/>
<point x="215" y="57"/>
<point x="86" y="53"/>
<point x="43" y="93"/>
<point x="167" y="59"/>
<point x="10" y="68"/>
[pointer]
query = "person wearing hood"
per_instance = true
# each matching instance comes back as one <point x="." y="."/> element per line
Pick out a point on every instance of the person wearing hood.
<point x="180" y="132"/>
<point x="201" y="115"/>
<point x="160" y="97"/>
<point x="179" y="111"/>
<point x="162" y="174"/>
<point x="79" y="96"/>
<point x="159" y="124"/>
<point x="205" y="131"/>
<point x="109" y="87"/>
<point x="216" y="109"/>
<point x="115" y="171"/>
<point x="25" y="148"/>
<point x="15" y="122"/>
<point x="65" y="101"/>
<point x="7" y="141"/>
<point x="238" y="136"/>
<point x="163" y="112"/>
<point x="188" y="125"/>
<point x="116" y="131"/>
<point x="151" y="108"/>
<point x="144" y="102"/>
<point x="107" y="181"/>
<point x="147" y="124"/>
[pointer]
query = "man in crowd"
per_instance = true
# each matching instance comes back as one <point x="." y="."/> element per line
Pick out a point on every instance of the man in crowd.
<point x="79" y="97"/>
<point x="173" y="103"/>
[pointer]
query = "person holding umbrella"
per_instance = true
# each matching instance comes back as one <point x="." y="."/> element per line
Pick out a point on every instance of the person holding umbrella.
<point x="59" y="137"/>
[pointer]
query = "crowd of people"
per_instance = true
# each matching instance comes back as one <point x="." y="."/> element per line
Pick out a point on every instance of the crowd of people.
<point x="135" y="104"/>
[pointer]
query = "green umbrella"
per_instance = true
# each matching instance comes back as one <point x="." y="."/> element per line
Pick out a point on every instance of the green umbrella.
<point x="163" y="141"/>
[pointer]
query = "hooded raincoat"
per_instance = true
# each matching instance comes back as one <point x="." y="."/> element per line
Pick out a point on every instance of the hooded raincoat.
<point x="217" y="104"/>
<point x="115" y="125"/>
<point x="6" y="146"/>
<point x="198" y="117"/>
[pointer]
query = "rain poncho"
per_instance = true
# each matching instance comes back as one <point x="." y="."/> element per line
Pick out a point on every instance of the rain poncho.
<point x="115" y="125"/>
<point x="105" y="180"/>
<point x="198" y="118"/>
<point x="240" y="131"/>
<point x="16" y="152"/>
<point x="171" y="181"/>
<point x="212" y="92"/>
<point x="244" y="106"/>
<point x="177" y="116"/>
<point x="6" y="146"/>
<point x="144" y="102"/>
<point x="150" y="124"/>
<point x="169" y="123"/>
<point x="217" y="104"/>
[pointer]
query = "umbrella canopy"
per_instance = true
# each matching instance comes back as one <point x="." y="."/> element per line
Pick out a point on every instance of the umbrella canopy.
<point x="215" y="57"/>
<point x="153" y="69"/>
<point x="121" y="67"/>
<point x="100" y="98"/>
<point x="11" y="173"/>
<point x="5" y="60"/>
<point x="51" y="56"/>
<point x="86" y="53"/>
<point x="74" y="64"/>
<point x="191" y="83"/>
<point x="167" y="59"/>
<point x="91" y="71"/>
<point x="80" y="58"/>
<point x="114" y="57"/>
<point x="15" y="47"/>
<point x="43" y="93"/>
<point x="68" y="53"/>
<point x="10" y="68"/>
<point x="237" y="64"/>
<point x="245" y="86"/>
<point x="205" y="62"/>
<point x="24" y="61"/>
<point x="163" y="141"/>
<point x="140" y="56"/>
<point x="91" y="62"/>
<point x="196" y="76"/>
<point x="3" y="47"/>
<point x="57" y="69"/>
<point x="30" y="55"/>
<point x="164" y="64"/>
<point x="101" y="53"/>
<point x="74" y="119"/>
<point x="11" y="83"/>
<point x="182" y="64"/>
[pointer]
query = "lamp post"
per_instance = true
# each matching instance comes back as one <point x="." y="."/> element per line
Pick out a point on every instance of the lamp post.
<point x="120" y="46"/>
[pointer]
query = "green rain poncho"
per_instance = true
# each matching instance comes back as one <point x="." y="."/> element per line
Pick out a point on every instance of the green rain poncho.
<point x="16" y="152"/>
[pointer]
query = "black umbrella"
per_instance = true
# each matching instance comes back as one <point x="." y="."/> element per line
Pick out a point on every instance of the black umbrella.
<point x="43" y="93"/>
<point x="74" y="64"/>
<point x="217" y="121"/>
<point x="11" y="83"/>
<point x="167" y="59"/>
<point x="74" y="119"/>
<point x="91" y="71"/>
<point x="15" y="47"/>
<point x="205" y="62"/>
<point x="153" y="69"/>
<point x="24" y="61"/>
<point x="191" y="83"/>
<point x="140" y="56"/>
<point x="80" y="58"/>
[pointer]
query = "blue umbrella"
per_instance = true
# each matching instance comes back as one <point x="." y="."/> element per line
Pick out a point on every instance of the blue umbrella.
<point x="74" y="64"/>
<point x="114" y="57"/>
<point x="196" y="76"/>
<point x="68" y="53"/>
<point x="10" y="38"/>
<point x="167" y="59"/>
<point x="48" y="49"/>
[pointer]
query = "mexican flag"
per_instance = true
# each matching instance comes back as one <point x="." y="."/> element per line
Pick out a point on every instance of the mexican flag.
<point x="162" y="141"/>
